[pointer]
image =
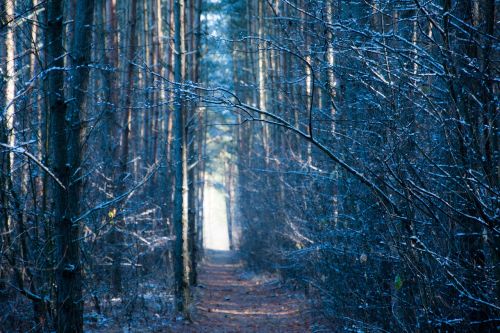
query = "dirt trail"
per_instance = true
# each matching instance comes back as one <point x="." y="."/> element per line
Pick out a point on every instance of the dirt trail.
<point x="230" y="300"/>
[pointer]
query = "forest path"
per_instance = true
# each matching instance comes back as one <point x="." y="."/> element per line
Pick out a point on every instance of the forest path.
<point x="232" y="300"/>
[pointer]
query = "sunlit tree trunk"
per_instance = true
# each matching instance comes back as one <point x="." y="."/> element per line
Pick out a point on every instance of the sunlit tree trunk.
<point x="262" y="73"/>
<point x="159" y="68"/>
<point x="179" y="160"/>
<point x="332" y="93"/>
<point x="6" y="132"/>
<point x="10" y="87"/>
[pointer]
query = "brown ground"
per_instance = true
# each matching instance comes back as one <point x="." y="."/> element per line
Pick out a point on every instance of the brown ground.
<point x="230" y="300"/>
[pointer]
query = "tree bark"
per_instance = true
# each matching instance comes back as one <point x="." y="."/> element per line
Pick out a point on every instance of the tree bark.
<point x="179" y="159"/>
<point x="66" y="156"/>
<point x="262" y="69"/>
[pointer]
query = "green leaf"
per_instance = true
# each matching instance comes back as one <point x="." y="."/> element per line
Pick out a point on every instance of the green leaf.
<point x="398" y="282"/>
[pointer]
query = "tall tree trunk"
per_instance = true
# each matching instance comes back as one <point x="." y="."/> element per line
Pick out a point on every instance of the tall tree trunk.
<point x="200" y="137"/>
<point x="7" y="93"/>
<point x="111" y="135"/>
<point x="332" y="93"/>
<point x="67" y="310"/>
<point x="125" y="148"/>
<point x="229" y="170"/>
<point x="159" y="68"/>
<point x="191" y="232"/>
<point x="7" y="131"/>
<point x="10" y="87"/>
<point x="193" y="134"/>
<point x="262" y="72"/>
<point x="66" y="156"/>
<point x="179" y="159"/>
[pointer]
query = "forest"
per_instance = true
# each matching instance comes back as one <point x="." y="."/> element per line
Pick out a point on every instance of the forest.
<point x="249" y="166"/>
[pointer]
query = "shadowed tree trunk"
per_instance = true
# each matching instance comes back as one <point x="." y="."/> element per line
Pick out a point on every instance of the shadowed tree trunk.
<point x="193" y="134"/>
<point x="123" y="168"/>
<point x="66" y="156"/>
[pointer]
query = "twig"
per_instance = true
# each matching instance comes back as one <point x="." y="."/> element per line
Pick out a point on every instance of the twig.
<point x="22" y="151"/>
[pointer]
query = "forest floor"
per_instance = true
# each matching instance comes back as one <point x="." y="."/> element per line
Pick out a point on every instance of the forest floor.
<point x="229" y="299"/>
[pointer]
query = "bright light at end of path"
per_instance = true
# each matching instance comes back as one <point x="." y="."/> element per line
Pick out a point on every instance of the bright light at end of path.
<point x="215" y="236"/>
